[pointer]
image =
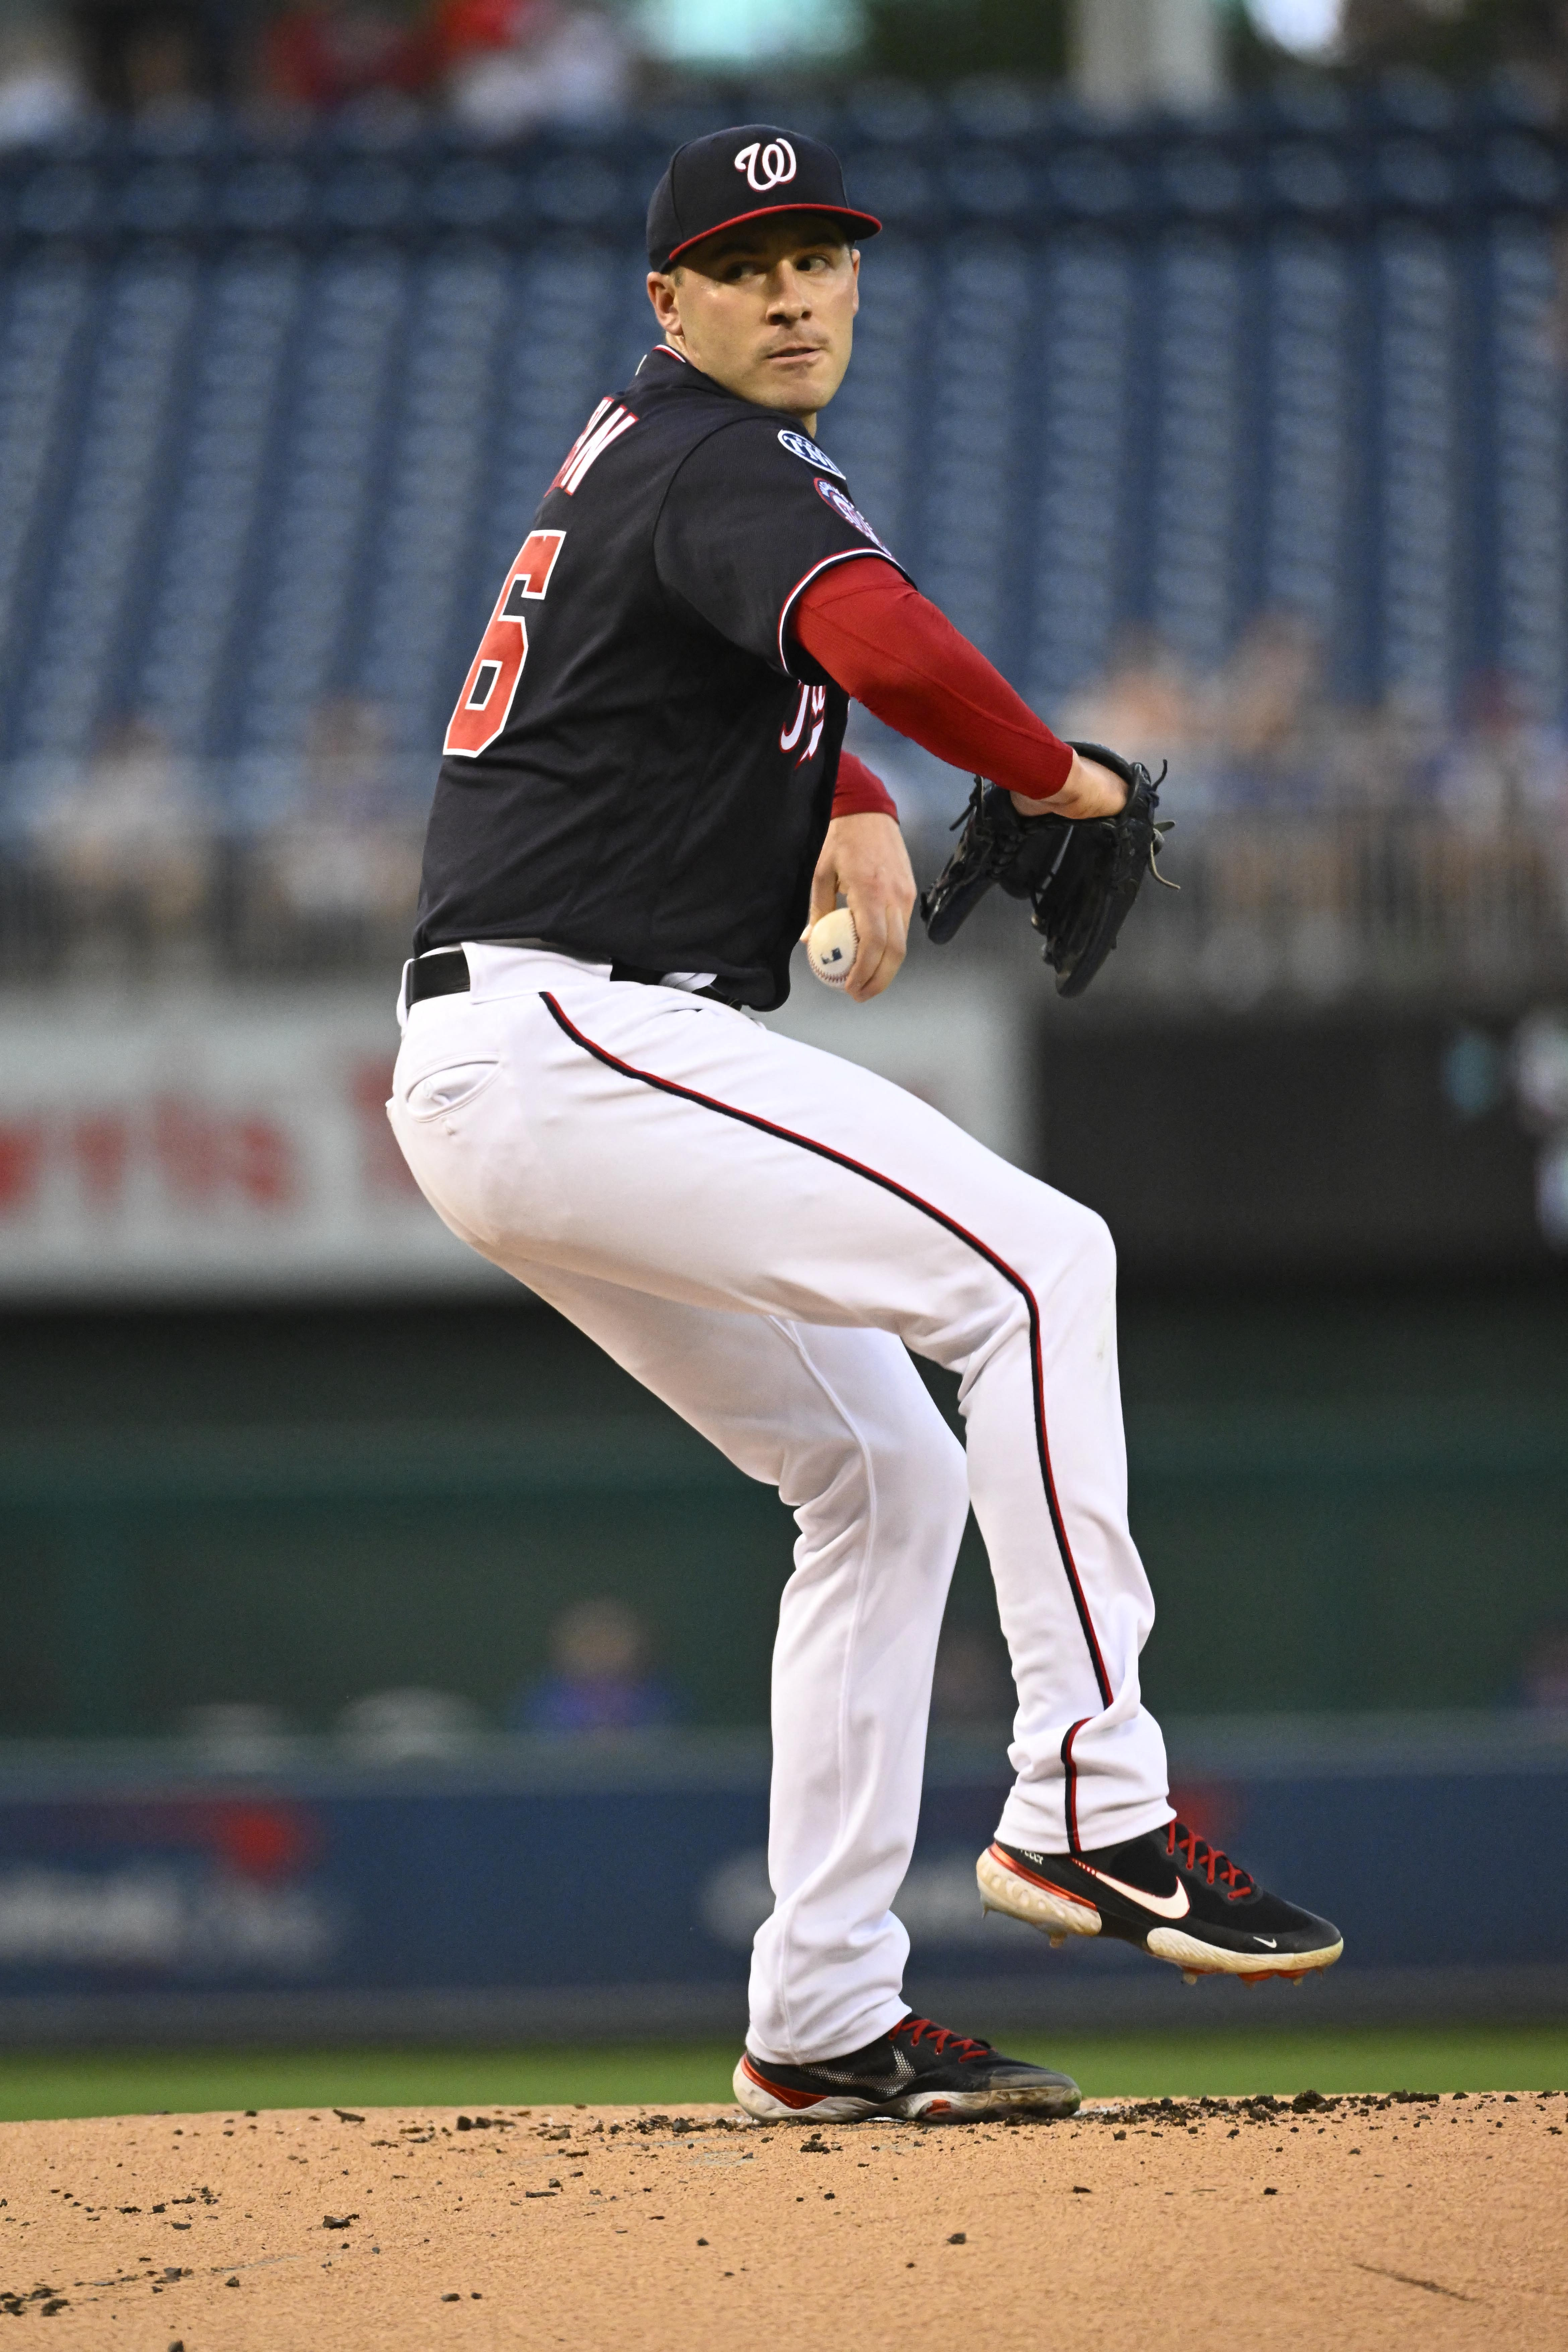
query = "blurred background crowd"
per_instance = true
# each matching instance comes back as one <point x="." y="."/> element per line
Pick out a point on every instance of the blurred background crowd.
<point x="500" y="66"/>
<point x="494" y="65"/>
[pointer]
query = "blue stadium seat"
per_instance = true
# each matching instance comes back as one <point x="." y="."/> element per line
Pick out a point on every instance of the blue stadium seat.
<point x="272" y="421"/>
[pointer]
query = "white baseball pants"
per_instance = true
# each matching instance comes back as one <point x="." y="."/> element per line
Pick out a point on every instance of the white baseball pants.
<point x="758" y="1232"/>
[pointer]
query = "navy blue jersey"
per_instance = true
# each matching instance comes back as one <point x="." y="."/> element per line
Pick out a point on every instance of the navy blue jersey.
<point x="641" y="763"/>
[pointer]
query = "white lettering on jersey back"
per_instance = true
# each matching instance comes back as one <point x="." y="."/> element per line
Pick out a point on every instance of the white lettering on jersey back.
<point x="799" y="446"/>
<point x="603" y="429"/>
<point x="766" y="167"/>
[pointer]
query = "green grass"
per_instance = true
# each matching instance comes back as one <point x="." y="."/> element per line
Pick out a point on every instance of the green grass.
<point x="1366" y="2058"/>
<point x="98" y="2083"/>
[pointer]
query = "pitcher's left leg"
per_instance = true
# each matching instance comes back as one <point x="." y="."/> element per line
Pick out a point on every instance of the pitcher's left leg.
<point x="1085" y="1846"/>
<point x="1051" y="1500"/>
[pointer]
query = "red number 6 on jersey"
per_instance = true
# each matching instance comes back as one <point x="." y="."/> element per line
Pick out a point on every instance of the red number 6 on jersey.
<point x="485" y="703"/>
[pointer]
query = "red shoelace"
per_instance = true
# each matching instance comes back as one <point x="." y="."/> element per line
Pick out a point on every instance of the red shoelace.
<point x="1198" y="1855"/>
<point x="924" y="2029"/>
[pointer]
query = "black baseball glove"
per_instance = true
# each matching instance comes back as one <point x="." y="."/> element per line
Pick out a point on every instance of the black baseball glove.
<point x="1080" y="874"/>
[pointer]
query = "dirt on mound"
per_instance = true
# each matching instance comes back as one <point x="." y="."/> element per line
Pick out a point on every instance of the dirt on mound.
<point x="1362" y="2222"/>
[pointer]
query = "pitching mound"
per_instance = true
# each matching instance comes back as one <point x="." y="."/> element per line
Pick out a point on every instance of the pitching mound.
<point x="1361" y="2222"/>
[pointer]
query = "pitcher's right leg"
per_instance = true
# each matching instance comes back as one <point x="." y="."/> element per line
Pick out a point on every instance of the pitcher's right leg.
<point x="841" y="1424"/>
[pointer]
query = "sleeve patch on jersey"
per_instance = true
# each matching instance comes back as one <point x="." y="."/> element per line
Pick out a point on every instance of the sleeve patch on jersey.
<point x="807" y="451"/>
<point x="852" y="515"/>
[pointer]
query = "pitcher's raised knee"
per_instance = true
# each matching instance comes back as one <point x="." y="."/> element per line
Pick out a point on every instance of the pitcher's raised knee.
<point x="1056" y="1242"/>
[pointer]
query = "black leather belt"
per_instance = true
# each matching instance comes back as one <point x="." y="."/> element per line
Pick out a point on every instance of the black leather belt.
<point x="444" y="972"/>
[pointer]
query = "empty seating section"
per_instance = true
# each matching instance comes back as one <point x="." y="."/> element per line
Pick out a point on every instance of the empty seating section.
<point x="217" y="494"/>
<point x="1421" y="336"/>
<point x="83" y="619"/>
<point x="1530" y="513"/>
<point x="1079" y="549"/>
<point x="331" y="489"/>
<point x="271" y="425"/>
<point x="978" y="344"/>
<point x="1198" y="361"/>
<point x="47" y="307"/>
<point x="1310" y="459"/>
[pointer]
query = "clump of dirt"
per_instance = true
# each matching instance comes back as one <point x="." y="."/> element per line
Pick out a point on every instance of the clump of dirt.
<point x="1373" y="2220"/>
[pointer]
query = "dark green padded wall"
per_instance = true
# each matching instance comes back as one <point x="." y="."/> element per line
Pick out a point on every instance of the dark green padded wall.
<point x="1346" y="1498"/>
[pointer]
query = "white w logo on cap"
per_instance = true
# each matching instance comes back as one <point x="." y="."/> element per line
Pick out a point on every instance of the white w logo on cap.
<point x="766" y="167"/>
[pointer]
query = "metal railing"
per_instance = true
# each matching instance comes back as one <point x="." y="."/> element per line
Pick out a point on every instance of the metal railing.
<point x="1315" y="904"/>
<point x="1322" y="905"/>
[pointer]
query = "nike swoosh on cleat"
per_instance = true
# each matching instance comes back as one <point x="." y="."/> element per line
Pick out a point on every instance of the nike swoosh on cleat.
<point x="1169" y="1906"/>
<point x="1271" y="1941"/>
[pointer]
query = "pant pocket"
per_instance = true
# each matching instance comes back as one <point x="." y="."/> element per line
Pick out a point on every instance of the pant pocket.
<point x="449" y="1088"/>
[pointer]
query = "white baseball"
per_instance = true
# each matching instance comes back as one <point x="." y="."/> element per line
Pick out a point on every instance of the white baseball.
<point x="831" y="946"/>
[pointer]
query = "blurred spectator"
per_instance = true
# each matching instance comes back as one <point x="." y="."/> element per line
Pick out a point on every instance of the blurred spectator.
<point x="1503" y="764"/>
<point x="1262" y="717"/>
<point x="42" y="92"/>
<point x="1464" y="38"/>
<point x="145" y="57"/>
<point x="409" y="1727"/>
<point x="1539" y="1054"/>
<point x="1268" y="693"/>
<point x="971" y="1689"/>
<point x="1543" y="1682"/>
<point x="1263" y="729"/>
<point x="1147" y="705"/>
<point x="327" y="53"/>
<point x="512" y="63"/>
<point x="599" y="1679"/>
<point x="237" y="1736"/>
<point x="345" y="858"/>
<point x="127" y="842"/>
<point x="1374" y="759"/>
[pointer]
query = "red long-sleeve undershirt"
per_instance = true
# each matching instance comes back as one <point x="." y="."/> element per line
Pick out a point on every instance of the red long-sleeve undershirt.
<point x="888" y="647"/>
<point x="859" y="792"/>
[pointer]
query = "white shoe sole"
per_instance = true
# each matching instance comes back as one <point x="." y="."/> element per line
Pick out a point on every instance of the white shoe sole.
<point x="1054" y="1911"/>
<point x="1057" y="1915"/>
<point x="842" y="2107"/>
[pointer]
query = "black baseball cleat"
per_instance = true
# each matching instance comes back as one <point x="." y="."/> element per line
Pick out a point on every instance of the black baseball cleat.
<point x="1168" y="1892"/>
<point x="918" y="2071"/>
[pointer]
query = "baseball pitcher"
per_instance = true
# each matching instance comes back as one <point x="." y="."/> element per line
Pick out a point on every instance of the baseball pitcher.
<point x="644" y="799"/>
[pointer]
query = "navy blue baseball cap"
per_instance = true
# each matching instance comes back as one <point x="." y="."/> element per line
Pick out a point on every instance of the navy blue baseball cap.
<point x="745" y="173"/>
